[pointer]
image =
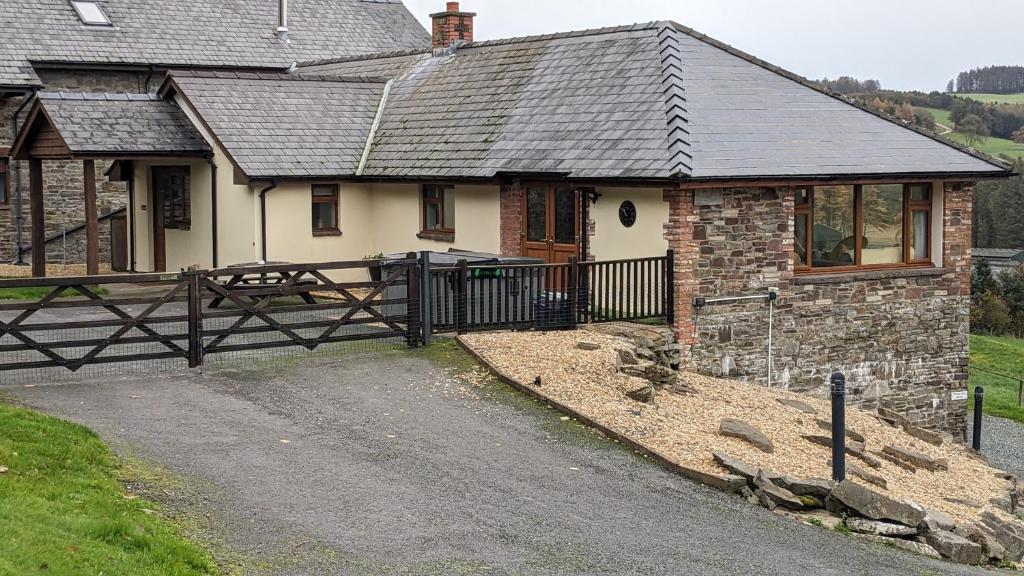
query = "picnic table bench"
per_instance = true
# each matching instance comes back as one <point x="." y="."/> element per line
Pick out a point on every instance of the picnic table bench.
<point x="243" y="282"/>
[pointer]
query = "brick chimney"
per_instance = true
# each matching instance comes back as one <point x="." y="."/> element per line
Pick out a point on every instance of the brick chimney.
<point x="452" y="25"/>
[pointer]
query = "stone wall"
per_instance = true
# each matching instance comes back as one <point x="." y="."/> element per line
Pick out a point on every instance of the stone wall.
<point x="64" y="200"/>
<point x="900" y="336"/>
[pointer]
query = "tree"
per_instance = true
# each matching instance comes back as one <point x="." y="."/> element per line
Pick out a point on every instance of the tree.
<point x="1018" y="135"/>
<point x="983" y="281"/>
<point x="924" y="119"/>
<point x="990" y="314"/>
<point x="951" y="87"/>
<point x="974" y="129"/>
<point x="905" y="112"/>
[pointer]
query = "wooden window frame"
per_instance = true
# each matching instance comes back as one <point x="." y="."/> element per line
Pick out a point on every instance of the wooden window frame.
<point x="332" y="199"/>
<point x="5" y="185"/>
<point x="446" y="233"/>
<point x="909" y="207"/>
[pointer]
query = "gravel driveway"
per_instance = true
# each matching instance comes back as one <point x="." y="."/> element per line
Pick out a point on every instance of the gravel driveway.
<point x="1002" y="441"/>
<point x="393" y="463"/>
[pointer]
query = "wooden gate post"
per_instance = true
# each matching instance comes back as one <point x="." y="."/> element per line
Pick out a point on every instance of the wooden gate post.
<point x="573" y="290"/>
<point x="195" y="318"/>
<point x="413" y="301"/>
<point x="426" y="299"/>
<point x="670" y="288"/>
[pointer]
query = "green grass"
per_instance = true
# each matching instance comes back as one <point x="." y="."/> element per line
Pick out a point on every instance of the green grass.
<point x="63" y="510"/>
<point x="1004" y="355"/>
<point x="991" y="146"/>
<point x="36" y="292"/>
<point x="995" y="98"/>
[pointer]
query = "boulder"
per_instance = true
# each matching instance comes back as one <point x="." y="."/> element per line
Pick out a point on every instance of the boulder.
<point x="933" y="438"/>
<point x="739" y="429"/>
<point x="627" y="355"/>
<point x="917" y="459"/>
<point x="801" y="406"/>
<point x="955" y="547"/>
<point x="865" y="526"/>
<point x="588" y="346"/>
<point x="645" y="394"/>
<point x="1008" y="533"/>
<point x="869" y="477"/>
<point x="735" y="466"/>
<point x="936" y="520"/>
<point x="871" y="504"/>
<point x="909" y="545"/>
<point x="815" y="487"/>
<point x="766" y="489"/>
<point x="989" y="545"/>
<point x="850" y="434"/>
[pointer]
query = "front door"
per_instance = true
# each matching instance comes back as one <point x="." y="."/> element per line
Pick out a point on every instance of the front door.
<point x="552" y="223"/>
<point x="167" y="181"/>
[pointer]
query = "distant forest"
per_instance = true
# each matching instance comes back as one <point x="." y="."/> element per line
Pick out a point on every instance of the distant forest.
<point x="998" y="205"/>
<point x="990" y="80"/>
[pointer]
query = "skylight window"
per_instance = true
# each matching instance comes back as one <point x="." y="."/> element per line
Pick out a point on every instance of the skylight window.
<point x="90" y="13"/>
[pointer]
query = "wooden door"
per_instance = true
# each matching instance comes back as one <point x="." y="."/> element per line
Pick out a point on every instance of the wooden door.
<point x="163" y="178"/>
<point x="551" y="223"/>
<point x="119" y="244"/>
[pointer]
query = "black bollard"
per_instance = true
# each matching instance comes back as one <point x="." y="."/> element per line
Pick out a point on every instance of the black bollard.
<point x="838" y="427"/>
<point x="979" y="399"/>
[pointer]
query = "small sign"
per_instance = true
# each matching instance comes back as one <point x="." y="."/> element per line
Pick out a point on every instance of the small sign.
<point x="959" y="395"/>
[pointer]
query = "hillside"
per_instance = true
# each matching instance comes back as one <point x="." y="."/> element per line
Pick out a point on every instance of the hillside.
<point x="995" y="98"/>
<point x="992" y="146"/>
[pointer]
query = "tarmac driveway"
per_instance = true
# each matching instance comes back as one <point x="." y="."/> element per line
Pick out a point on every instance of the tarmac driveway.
<point x="397" y="463"/>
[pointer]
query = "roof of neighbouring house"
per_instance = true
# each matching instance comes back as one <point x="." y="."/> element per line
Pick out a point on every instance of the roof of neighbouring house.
<point x="648" y="101"/>
<point x="284" y="125"/>
<point x="110" y="125"/>
<point x="181" y="33"/>
<point x="998" y="253"/>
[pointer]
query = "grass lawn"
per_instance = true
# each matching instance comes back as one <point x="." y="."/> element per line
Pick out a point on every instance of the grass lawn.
<point x="1004" y="355"/>
<point x="991" y="146"/>
<point x="995" y="98"/>
<point x="63" y="510"/>
<point x="35" y="293"/>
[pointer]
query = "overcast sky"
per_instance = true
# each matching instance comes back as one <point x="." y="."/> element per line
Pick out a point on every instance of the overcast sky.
<point x="906" y="44"/>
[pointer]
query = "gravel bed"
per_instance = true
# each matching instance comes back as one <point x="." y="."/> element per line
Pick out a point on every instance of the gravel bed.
<point x="684" y="428"/>
<point x="1002" y="442"/>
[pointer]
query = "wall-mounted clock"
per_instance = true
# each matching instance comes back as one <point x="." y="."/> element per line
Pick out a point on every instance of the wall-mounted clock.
<point x="627" y="214"/>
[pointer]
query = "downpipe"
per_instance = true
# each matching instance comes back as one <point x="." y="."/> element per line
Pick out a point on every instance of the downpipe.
<point x="770" y="297"/>
<point x="263" y="220"/>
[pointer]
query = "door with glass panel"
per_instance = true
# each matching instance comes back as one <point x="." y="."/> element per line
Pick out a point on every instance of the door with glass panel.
<point x="551" y="222"/>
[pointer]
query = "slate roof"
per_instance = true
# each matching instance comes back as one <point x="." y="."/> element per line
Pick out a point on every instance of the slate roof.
<point x="653" y="100"/>
<point x="130" y="124"/>
<point x="223" y="33"/>
<point x="284" y="125"/>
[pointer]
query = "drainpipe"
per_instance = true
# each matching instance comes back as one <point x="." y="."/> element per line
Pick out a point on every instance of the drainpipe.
<point x="213" y="206"/>
<point x="282" y="26"/>
<point x="263" y="219"/>
<point x="18" y="217"/>
<point x="149" y="77"/>
<point x="131" y="216"/>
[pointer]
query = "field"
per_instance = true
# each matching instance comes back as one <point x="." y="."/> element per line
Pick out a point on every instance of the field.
<point x="1004" y="355"/>
<point x="995" y="98"/>
<point x="992" y="146"/>
<point x="65" y="512"/>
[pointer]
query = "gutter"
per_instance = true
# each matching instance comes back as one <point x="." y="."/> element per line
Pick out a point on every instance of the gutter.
<point x="263" y="219"/>
<point x="373" y="127"/>
<point x="18" y="203"/>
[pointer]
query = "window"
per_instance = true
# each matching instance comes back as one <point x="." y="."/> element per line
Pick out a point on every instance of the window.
<point x="325" y="210"/>
<point x="863" y="226"/>
<point x="4" y="184"/>
<point x="438" y="211"/>
<point x="172" y="188"/>
<point x="90" y="12"/>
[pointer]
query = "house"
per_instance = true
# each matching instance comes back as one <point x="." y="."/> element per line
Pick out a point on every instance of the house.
<point x="613" y="143"/>
<point x="126" y="46"/>
<point x="999" y="258"/>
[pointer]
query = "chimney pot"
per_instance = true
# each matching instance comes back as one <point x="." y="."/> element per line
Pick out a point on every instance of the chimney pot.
<point x="451" y="26"/>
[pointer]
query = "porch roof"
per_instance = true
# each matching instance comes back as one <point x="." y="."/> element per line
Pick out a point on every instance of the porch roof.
<point x="77" y="125"/>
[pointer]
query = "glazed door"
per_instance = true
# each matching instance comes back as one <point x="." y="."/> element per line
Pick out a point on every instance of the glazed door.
<point x="552" y="223"/>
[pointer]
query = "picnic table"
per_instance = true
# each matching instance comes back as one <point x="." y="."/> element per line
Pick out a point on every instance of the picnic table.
<point x="243" y="282"/>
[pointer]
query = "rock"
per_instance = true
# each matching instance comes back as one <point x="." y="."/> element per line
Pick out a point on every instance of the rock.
<point x="933" y="438"/>
<point x="779" y="496"/>
<point x="815" y="487"/>
<point x="908" y="467"/>
<point x="1008" y="533"/>
<point x="935" y="520"/>
<point x="765" y="501"/>
<point x="819" y="517"/>
<point x="852" y="448"/>
<point x="918" y="459"/>
<point x="1003" y="503"/>
<point x="879" y="528"/>
<point x="990" y="547"/>
<point x="956" y="548"/>
<point x="749" y="495"/>
<point x="646" y="354"/>
<point x="738" y="429"/>
<point x="827" y="426"/>
<point x="627" y="356"/>
<point x="589" y="346"/>
<point x="729" y="483"/>
<point x="869" y="477"/>
<point x="963" y="502"/>
<point x="801" y="406"/>
<point x="736" y="466"/>
<point x="909" y="545"/>
<point x="645" y="394"/>
<point x="870" y="504"/>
